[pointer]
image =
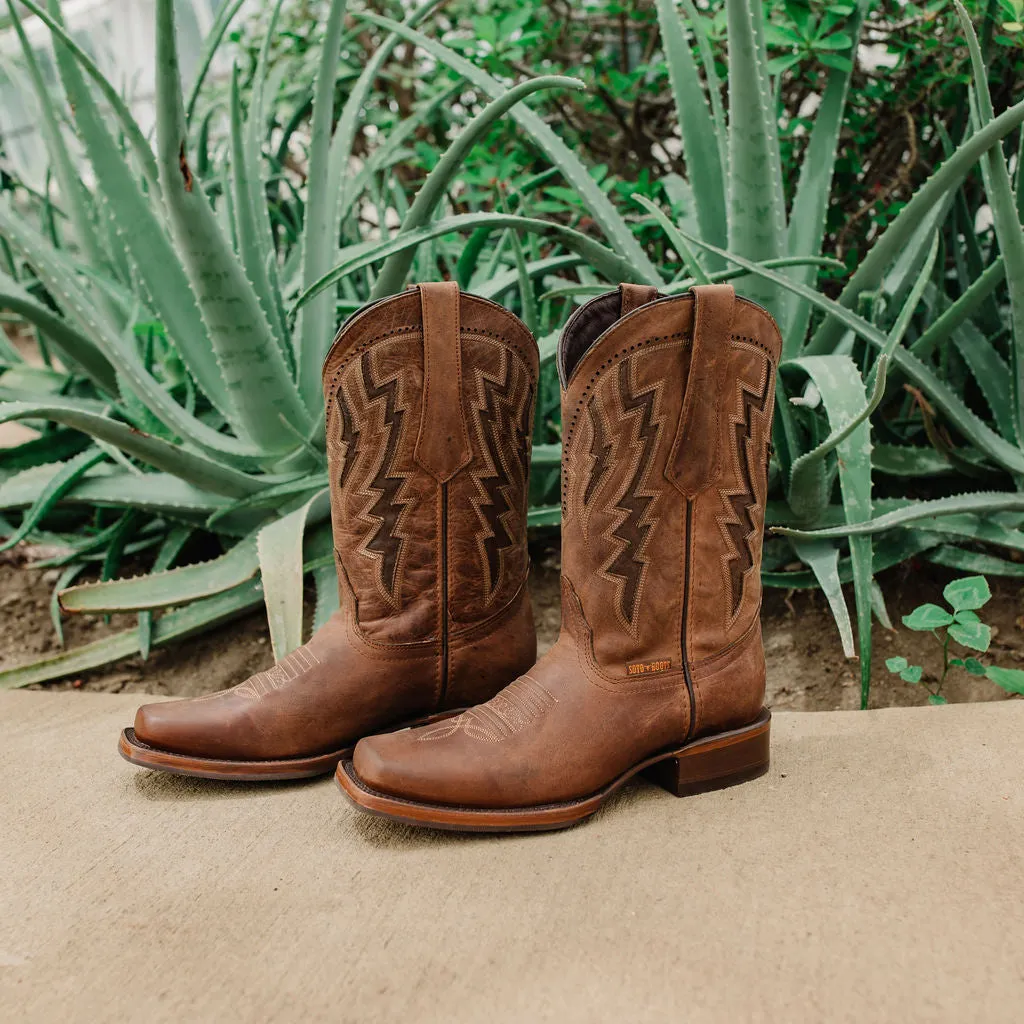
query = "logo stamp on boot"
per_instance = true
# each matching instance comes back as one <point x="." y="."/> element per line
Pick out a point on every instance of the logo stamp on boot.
<point x="645" y="668"/>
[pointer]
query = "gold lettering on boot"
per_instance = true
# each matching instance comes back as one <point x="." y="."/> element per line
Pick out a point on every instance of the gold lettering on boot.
<point x="642" y="668"/>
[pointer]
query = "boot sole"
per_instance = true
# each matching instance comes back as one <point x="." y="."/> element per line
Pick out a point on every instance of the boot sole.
<point x="713" y="762"/>
<point x="133" y="750"/>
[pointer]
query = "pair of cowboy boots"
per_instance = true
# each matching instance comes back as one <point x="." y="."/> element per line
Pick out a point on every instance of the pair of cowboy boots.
<point x="659" y="667"/>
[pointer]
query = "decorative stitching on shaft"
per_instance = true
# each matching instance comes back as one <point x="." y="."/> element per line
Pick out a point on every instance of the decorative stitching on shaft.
<point x="738" y="526"/>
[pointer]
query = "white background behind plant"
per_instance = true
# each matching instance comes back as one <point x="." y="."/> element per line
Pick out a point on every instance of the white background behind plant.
<point x="120" y="37"/>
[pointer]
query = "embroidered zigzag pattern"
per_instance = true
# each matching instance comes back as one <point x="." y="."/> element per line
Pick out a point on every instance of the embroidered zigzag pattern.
<point x="385" y="489"/>
<point x="503" y="428"/>
<point x="737" y="524"/>
<point x="633" y="512"/>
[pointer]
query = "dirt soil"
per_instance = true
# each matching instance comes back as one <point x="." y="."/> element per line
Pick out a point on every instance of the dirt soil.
<point x="806" y="667"/>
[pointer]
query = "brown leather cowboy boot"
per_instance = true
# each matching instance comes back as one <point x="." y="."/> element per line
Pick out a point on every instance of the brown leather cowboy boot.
<point x="430" y="398"/>
<point x="666" y="416"/>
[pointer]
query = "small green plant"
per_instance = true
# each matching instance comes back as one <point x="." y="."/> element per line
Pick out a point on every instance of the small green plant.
<point x="963" y="626"/>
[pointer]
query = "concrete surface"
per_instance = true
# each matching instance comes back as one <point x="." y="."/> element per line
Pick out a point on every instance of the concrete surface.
<point x="874" y="875"/>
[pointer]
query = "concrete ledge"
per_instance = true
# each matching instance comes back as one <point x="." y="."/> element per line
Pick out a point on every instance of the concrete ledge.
<point x="873" y="875"/>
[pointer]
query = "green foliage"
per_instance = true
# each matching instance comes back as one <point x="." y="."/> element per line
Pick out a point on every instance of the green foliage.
<point x="960" y="625"/>
<point x="350" y="152"/>
<point x="168" y="303"/>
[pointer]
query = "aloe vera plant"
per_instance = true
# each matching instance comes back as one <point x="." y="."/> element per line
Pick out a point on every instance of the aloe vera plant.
<point x="895" y="314"/>
<point x="894" y="397"/>
<point x="184" y="364"/>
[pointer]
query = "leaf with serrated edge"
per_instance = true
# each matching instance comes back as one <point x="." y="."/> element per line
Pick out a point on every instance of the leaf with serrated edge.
<point x="280" y="557"/>
<point x="253" y="365"/>
<point x="590" y="193"/>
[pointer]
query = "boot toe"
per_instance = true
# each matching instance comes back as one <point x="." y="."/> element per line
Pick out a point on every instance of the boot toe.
<point x="443" y="772"/>
<point x="380" y="763"/>
<point x="180" y="727"/>
<point x="160" y="726"/>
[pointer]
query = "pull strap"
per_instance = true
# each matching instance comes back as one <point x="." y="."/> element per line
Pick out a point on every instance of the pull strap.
<point x="442" y="446"/>
<point x="634" y="296"/>
<point x="693" y="461"/>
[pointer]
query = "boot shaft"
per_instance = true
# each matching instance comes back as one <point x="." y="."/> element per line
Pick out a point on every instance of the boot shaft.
<point x="666" y="412"/>
<point x="429" y="413"/>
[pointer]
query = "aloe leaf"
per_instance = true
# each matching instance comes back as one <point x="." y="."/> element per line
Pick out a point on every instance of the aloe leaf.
<point x="909" y="265"/>
<point x="53" y="446"/>
<point x="990" y="371"/>
<point x="981" y="528"/>
<point x="974" y="561"/>
<point x="842" y="395"/>
<point x="250" y="193"/>
<point x="142" y="233"/>
<point x="63" y="580"/>
<point x="879" y="608"/>
<point x="159" y="493"/>
<point x="280" y="557"/>
<point x="75" y="303"/>
<point x="320" y="236"/>
<point x="176" y="624"/>
<point x="71" y="188"/>
<point x="164" y="586"/>
<point x="270" y="496"/>
<point x="609" y="264"/>
<point x="175" y="540"/>
<point x="899" y="328"/>
<point x="266" y="279"/>
<point x="163" y="455"/>
<point x="68" y="474"/>
<point x="905" y="461"/>
<point x="392" y="275"/>
<point x="1010" y="234"/>
<point x="329" y="204"/>
<point x="897" y="235"/>
<point x="808" y="213"/>
<point x="979" y="502"/>
<point x="823" y="558"/>
<point x="133" y="134"/>
<point x="327" y="597"/>
<point x="703" y="135"/>
<point x="527" y="297"/>
<point x="960" y="311"/>
<point x="721" y="276"/>
<point x="757" y="213"/>
<point x="22" y="488"/>
<point x="225" y="16"/>
<point x="253" y="365"/>
<point x="807" y="474"/>
<point x="678" y="241"/>
<point x="894" y="548"/>
<point x="75" y="348"/>
<point x="986" y="439"/>
<point x="601" y="209"/>
<point x="501" y="282"/>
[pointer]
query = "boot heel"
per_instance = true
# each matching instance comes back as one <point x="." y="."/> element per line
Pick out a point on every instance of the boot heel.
<point x="716" y="761"/>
